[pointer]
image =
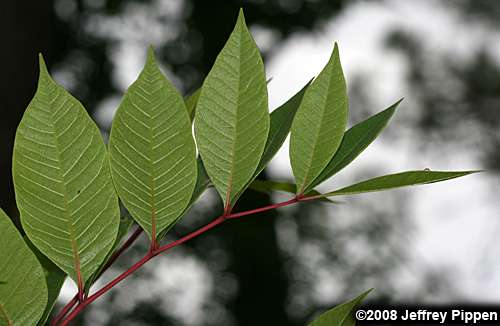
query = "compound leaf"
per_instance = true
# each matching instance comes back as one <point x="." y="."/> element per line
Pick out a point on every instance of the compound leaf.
<point x="64" y="192"/>
<point x="355" y="141"/>
<point x="341" y="315"/>
<point x="23" y="291"/>
<point x="397" y="180"/>
<point x="153" y="155"/>
<point x="319" y="124"/>
<point x="232" y="119"/>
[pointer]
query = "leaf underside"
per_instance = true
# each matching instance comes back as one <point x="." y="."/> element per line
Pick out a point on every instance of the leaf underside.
<point x="153" y="155"/>
<point x="397" y="180"/>
<point x="64" y="192"/>
<point x="126" y="223"/>
<point x="202" y="184"/>
<point x="341" y="315"/>
<point x="232" y="118"/>
<point x="319" y="124"/>
<point x="54" y="278"/>
<point x="280" y="122"/>
<point x="355" y="141"/>
<point x="23" y="292"/>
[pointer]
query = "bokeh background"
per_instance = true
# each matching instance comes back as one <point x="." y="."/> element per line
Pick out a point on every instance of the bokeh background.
<point x="432" y="244"/>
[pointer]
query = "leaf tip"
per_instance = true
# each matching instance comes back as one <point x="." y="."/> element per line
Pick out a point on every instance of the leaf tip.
<point x="474" y="171"/>
<point x="241" y="19"/>
<point x="42" y="66"/>
<point x="241" y="15"/>
<point x="151" y="55"/>
<point x="335" y="56"/>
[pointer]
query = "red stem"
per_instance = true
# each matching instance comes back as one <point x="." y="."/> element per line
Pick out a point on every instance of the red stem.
<point x="157" y="251"/>
<point x="64" y="311"/>
<point x="265" y="208"/>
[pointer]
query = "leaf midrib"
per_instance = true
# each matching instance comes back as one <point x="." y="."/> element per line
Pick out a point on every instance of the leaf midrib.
<point x="3" y="313"/>
<point x="233" y="145"/>
<point x="310" y="157"/>
<point x="149" y="78"/>
<point x="74" y="243"/>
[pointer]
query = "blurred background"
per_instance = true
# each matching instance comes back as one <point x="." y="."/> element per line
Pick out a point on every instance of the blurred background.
<point x="432" y="244"/>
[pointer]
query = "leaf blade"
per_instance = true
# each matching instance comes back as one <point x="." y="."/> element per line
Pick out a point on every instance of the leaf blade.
<point x="63" y="186"/>
<point x="232" y="118"/>
<point x="319" y="124"/>
<point x="341" y="315"/>
<point x="398" y="180"/>
<point x="153" y="155"/>
<point x="202" y="183"/>
<point x="23" y="291"/>
<point x="355" y="141"/>
<point x="54" y="278"/>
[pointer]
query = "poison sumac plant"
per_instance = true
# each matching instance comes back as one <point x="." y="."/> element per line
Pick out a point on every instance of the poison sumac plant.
<point x="68" y="184"/>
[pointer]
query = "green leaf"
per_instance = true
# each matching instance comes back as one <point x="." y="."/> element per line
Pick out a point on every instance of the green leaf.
<point x="280" y="122"/>
<point x="64" y="192"/>
<point x="319" y="124"/>
<point x="232" y="118"/>
<point x="126" y="223"/>
<point x="202" y="183"/>
<point x="54" y="277"/>
<point x="397" y="180"/>
<point x="267" y="186"/>
<point x="355" y="140"/>
<point x="191" y="102"/>
<point x="153" y="155"/>
<point x="341" y="315"/>
<point x="23" y="292"/>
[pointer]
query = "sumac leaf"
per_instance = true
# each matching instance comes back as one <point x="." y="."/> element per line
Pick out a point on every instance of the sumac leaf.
<point x="341" y="315"/>
<point x="232" y="118"/>
<point x="153" y="155"/>
<point x="397" y="180"/>
<point x="23" y="291"/>
<point x="319" y="124"/>
<point x="64" y="192"/>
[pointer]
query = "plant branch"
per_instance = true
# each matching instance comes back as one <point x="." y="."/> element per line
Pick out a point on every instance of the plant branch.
<point x="152" y="253"/>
